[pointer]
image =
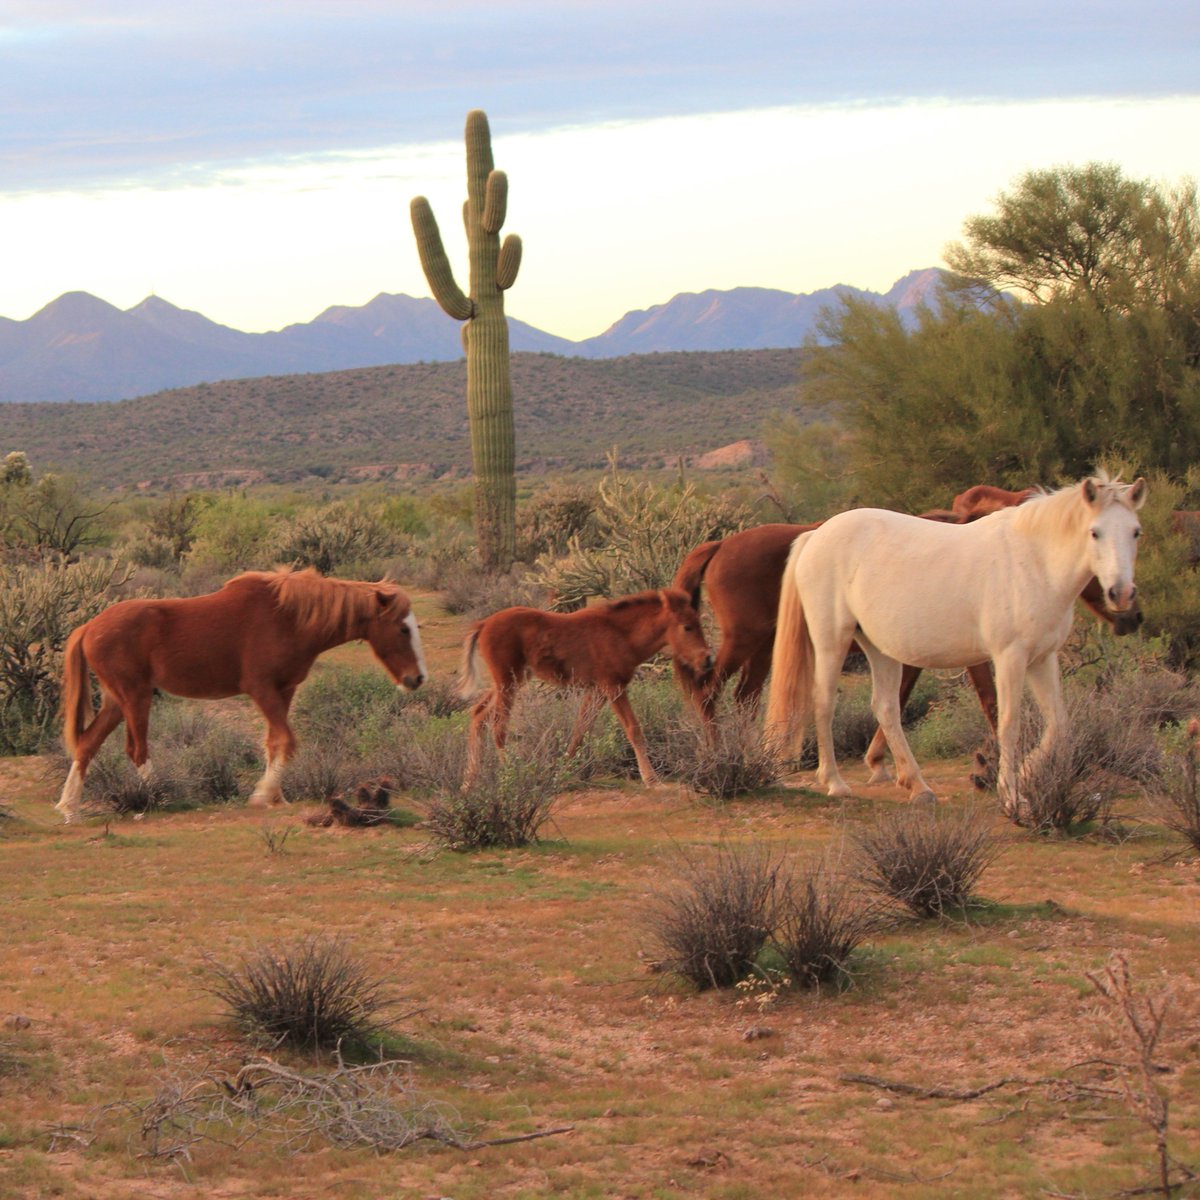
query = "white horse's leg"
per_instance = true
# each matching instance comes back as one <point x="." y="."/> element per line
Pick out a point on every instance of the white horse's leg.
<point x="1010" y="680"/>
<point x="885" y="704"/>
<point x="827" y="673"/>
<point x="1045" y="682"/>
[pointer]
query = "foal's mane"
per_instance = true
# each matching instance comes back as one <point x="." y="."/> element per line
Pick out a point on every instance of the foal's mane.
<point x="324" y="607"/>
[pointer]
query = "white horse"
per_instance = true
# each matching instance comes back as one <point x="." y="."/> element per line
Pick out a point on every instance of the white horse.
<point x="912" y="591"/>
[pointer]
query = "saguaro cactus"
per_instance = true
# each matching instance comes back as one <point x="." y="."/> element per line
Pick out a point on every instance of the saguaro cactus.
<point x="494" y="267"/>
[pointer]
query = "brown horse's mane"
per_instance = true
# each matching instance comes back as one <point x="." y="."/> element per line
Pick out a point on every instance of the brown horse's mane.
<point x="321" y="606"/>
<point x="651" y="597"/>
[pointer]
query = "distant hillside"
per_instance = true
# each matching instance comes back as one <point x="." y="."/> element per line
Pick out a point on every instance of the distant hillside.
<point x="410" y="422"/>
<point x="81" y="348"/>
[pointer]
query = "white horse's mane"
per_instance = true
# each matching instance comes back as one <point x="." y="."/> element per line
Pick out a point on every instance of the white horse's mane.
<point x="1063" y="508"/>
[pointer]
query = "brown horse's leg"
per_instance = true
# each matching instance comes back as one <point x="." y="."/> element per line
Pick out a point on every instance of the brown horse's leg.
<point x="89" y="743"/>
<point x="633" y="731"/>
<point x="280" y="745"/>
<point x="756" y="666"/>
<point x="589" y="708"/>
<point x="877" y="751"/>
<point x="985" y="688"/>
<point x="137" y="728"/>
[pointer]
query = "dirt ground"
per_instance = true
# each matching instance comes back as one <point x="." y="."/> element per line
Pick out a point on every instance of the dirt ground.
<point x="531" y="1007"/>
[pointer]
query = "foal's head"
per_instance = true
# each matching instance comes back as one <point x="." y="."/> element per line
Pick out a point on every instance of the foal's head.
<point x="391" y="632"/>
<point x="685" y="636"/>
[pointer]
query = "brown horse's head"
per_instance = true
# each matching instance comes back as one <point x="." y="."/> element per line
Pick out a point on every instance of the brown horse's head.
<point x="391" y="632"/>
<point x="685" y="634"/>
<point x="1122" y="623"/>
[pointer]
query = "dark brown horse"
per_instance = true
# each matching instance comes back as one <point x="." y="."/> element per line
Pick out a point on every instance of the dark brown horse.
<point x="597" y="648"/>
<point x="742" y="574"/>
<point x="258" y="636"/>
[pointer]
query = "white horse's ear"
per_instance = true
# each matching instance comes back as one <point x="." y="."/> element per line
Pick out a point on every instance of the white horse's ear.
<point x="1137" y="493"/>
<point x="1089" y="491"/>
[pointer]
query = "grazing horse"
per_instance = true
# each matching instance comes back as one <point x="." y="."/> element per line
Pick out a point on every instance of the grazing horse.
<point x="937" y="595"/>
<point x="983" y="498"/>
<point x="257" y="636"/>
<point x="597" y="648"/>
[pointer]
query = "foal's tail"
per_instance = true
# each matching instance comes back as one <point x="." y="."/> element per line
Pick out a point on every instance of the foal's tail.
<point x="76" y="691"/>
<point x="789" y="702"/>
<point x="688" y="579"/>
<point x="471" y="678"/>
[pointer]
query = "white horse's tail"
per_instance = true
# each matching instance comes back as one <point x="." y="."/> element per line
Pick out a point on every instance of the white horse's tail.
<point x="789" y="702"/>
<point x="471" y="678"/>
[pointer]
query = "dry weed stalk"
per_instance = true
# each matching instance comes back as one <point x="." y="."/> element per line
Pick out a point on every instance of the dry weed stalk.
<point x="1139" y="1022"/>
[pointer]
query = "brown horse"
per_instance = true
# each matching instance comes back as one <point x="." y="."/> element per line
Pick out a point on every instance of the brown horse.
<point x="983" y="498"/>
<point x="598" y="648"/>
<point x="258" y="636"/>
<point x="742" y="573"/>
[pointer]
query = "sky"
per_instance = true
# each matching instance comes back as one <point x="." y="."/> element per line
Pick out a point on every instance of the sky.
<point x="254" y="160"/>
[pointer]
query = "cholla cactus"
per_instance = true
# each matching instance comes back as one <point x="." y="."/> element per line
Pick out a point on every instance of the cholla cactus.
<point x="494" y="267"/>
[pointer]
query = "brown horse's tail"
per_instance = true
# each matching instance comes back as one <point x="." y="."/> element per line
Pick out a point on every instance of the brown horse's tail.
<point x="76" y="691"/>
<point x="688" y="579"/>
<point x="471" y="679"/>
<point x="789" y="702"/>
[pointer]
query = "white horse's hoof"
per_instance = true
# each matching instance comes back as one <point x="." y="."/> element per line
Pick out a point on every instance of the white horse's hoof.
<point x="840" y="788"/>
<point x="879" y="774"/>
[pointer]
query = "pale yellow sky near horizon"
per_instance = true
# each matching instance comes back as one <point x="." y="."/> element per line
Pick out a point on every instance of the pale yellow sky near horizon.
<point x="614" y="217"/>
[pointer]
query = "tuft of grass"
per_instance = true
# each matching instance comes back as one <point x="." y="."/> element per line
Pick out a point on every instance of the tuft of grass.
<point x="927" y="861"/>
<point x="822" y="920"/>
<point x="312" y="994"/>
<point x="712" y="924"/>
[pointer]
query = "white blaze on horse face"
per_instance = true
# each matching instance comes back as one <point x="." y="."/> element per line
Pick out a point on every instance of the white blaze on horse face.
<point x="1113" y="551"/>
<point x="414" y="632"/>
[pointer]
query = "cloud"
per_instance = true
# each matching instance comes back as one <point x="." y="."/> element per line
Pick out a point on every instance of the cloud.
<point x="155" y="90"/>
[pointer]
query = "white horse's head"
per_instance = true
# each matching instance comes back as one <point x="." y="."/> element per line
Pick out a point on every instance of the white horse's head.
<point x="1114" y="528"/>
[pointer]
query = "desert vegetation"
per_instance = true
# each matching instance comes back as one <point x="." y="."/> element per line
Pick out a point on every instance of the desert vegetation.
<point x="556" y="981"/>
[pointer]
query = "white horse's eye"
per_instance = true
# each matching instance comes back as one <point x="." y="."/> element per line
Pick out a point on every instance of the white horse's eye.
<point x="1096" y="534"/>
<point x="1137" y="533"/>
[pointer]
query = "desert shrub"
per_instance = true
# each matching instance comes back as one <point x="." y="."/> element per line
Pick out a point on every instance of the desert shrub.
<point x="953" y="725"/>
<point x="312" y="994"/>
<point x="232" y="533"/>
<point x="424" y="561"/>
<point x="506" y="806"/>
<point x="642" y="534"/>
<point x="319" y="771"/>
<point x="163" y="539"/>
<point x="1177" y="804"/>
<point x="712" y="923"/>
<point x="40" y="604"/>
<point x="338" y="536"/>
<point x="728" y="760"/>
<point x="470" y="590"/>
<point x="548" y="522"/>
<point x="822" y="920"/>
<point x="928" y="861"/>
<point x="1107" y="745"/>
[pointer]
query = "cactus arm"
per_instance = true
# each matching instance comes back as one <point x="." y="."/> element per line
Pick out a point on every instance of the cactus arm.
<point x="435" y="264"/>
<point x="495" y="204"/>
<point x="509" y="262"/>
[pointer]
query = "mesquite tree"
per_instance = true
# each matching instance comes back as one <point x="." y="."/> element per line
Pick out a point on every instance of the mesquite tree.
<point x="494" y="268"/>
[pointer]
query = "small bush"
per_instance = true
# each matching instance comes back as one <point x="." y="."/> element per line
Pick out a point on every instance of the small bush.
<point x="953" y="725"/>
<point x="729" y="760"/>
<point x="711" y="926"/>
<point x="336" y="537"/>
<point x="822" y="921"/>
<point x="927" y="861"/>
<point x="470" y="590"/>
<point x="506" y="806"/>
<point x="1178" y="806"/>
<point x="311" y="994"/>
<point x="1107" y="745"/>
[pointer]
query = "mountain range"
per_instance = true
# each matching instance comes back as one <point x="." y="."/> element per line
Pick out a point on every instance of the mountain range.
<point x="82" y="348"/>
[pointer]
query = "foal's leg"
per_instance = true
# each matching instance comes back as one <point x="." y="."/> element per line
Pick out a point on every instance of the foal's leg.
<point x="479" y="714"/>
<point x="886" y="680"/>
<point x="280" y="745"/>
<point x="589" y="709"/>
<point x="633" y="731"/>
<point x="86" y="748"/>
